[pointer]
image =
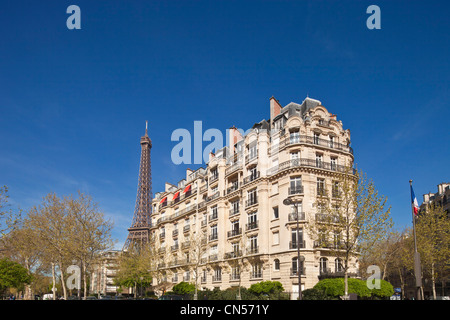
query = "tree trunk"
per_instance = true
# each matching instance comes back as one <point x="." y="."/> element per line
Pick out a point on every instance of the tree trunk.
<point x="433" y="281"/>
<point x="53" y="281"/>
<point x="63" y="282"/>
<point x="84" y="282"/>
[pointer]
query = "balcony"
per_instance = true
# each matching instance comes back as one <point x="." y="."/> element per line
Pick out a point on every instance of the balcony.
<point x="212" y="197"/>
<point x="234" y="187"/>
<point x="213" y="237"/>
<point x="251" y="177"/>
<point x="315" y="141"/>
<point x="235" y="276"/>
<point x="250" y="202"/>
<point x="213" y="216"/>
<point x="233" y="254"/>
<point x="292" y="217"/>
<point x="233" y="168"/>
<point x="329" y="218"/>
<point x="293" y="244"/>
<point x="213" y="178"/>
<point x="336" y="245"/>
<point x="256" y="274"/>
<point x="234" y="211"/>
<point x="217" y="278"/>
<point x="234" y="233"/>
<point x="296" y="163"/>
<point x="253" y="250"/>
<point x="251" y="225"/>
<point x="294" y="271"/>
<point x="186" y="228"/>
<point x="251" y="156"/>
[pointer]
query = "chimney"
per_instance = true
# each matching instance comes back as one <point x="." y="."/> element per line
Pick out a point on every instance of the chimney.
<point x="275" y="108"/>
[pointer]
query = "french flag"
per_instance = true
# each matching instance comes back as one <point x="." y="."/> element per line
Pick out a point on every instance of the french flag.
<point x="415" y="205"/>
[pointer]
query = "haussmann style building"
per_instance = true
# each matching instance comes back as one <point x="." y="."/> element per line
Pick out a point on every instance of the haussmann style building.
<point x="226" y="225"/>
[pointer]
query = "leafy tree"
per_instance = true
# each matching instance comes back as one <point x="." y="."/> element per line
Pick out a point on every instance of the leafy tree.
<point x="433" y="243"/>
<point x="13" y="275"/>
<point x="135" y="267"/>
<point x="350" y="219"/>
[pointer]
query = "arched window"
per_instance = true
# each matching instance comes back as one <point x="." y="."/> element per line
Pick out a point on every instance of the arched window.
<point x="296" y="267"/>
<point x="276" y="264"/>
<point x="323" y="265"/>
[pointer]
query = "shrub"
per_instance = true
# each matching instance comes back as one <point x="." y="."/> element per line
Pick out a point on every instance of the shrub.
<point x="315" y="294"/>
<point x="183" y="288"/>
<point x="266" y="287"/>
<point x="335" y="287"/>
<point x="386" y="290"/>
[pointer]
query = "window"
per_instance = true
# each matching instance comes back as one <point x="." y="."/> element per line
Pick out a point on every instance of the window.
<point x="213" y="215"/>
<point x="319" y="160"/>
<point x="276" y="265"/>
<point x="333" y="164"/>
<point x="252" y="151"/>
<point x="213" y="234"/>
<point x="276" y="238"/>
<point x="275" y="212"/>
<point x="296" y="185"/>
<point x="295" y="155"/>
<point x="256" y="270"/>
<point x="335" y="189"/>
<point x="251" y="197"/>
<point x="338" y="267"/>
<point x="331" y="142"/>
<point x="253" y="174"/>
<point x="253" y="241"/>
<point x="217" y="274"/>
<point x="323" y="265"/>
<point x="320" y="186"/>
<point x="234" y="207"/>
<point x="296" y="267"/>
<point x="295" y="137"/>
<point x="214" y="174"/>
<point x="294" y="241"/>
<point x="235" y="248"/>
<point x="337" y="239"/>
<point x="316" y="138"/>
<point x="235" y="228"/>
<point x="252" y="221"/>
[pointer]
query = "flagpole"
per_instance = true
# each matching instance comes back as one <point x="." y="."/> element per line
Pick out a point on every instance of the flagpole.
<point x="417" y="267"/>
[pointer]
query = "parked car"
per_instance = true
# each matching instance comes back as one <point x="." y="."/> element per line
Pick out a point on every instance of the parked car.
<point x="170" y="297"/>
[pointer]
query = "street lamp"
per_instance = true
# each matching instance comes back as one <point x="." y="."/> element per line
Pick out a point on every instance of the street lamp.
<point x="288" y="202"/>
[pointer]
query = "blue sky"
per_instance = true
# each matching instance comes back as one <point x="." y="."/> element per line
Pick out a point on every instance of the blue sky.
<point x="73" y="103"/>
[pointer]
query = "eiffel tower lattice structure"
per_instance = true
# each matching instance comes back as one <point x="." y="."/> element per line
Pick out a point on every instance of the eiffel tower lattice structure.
<point x="139" y="232"/>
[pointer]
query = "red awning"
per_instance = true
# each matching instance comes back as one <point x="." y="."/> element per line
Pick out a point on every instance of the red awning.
<point x="176" y="195"/>
<point x="163" y="199"/>
<point x="187" y="188"/>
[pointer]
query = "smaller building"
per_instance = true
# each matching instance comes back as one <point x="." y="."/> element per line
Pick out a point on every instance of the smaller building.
<point x="440" y="198"/>
<point x="102" y="278"/>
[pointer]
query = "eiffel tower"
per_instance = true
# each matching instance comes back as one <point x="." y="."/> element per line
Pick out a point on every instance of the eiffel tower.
<point x="139" y="232"/>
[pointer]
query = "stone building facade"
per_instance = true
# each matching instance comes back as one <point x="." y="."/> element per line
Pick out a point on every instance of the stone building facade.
<point x="226" y="225"/>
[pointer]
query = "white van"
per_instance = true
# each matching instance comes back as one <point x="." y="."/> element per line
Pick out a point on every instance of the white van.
<point x="48" y="296"/>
